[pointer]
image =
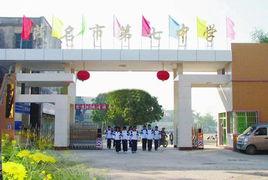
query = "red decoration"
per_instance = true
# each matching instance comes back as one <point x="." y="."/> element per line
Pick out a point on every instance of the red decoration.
<point x="162" y="75"/>
<point x="26" y="28"/>
<point x="83" y="75"/>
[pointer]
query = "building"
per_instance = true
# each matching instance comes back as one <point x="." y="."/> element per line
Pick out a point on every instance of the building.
<point x="10" y="34"/>
<point x="240" y="77"/>
<point x="27" y="114"/>
<point x="83" y="116"/>
<point x="248" y="89"/>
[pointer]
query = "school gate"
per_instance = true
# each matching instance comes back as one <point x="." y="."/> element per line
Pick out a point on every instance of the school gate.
<point x="58" y="68"/>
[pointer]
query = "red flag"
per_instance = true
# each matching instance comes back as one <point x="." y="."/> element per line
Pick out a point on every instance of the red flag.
<point x="146" y="28"/>
<point x="26" y="28"/>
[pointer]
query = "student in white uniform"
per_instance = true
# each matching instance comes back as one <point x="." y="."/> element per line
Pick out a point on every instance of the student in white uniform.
<point x="125" y="137"/>
<point x="117" y="139"/>
<point x="157" y="136"/>
<point x="150" y="136"/>
<point x="114" y="129"/>
<point x="129" y="132"/>
<point x="134" y="136"/>
<point x="144" y="138"/>
<point x="109" y="136"/>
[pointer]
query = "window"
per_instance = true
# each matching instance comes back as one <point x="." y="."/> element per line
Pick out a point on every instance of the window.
<point x="25" y="44"/>
<point x="261" y="132"/>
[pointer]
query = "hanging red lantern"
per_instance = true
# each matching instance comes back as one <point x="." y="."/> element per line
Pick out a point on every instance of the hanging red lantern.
<point x="162" y="75"/>
<point x="83" y="75"/>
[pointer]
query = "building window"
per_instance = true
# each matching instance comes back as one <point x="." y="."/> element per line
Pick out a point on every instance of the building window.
<point x="25" y="44"/>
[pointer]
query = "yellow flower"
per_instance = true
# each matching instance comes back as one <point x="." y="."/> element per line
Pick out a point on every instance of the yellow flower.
<point x="15" y="171"/>
<point x="24" y="153"/>
<point x="40" y="157"/>
<point x="49" y="176"/>
<point x="43" y="172"/>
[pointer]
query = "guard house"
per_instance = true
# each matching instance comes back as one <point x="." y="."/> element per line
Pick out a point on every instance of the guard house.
<point x="240" y="77"/>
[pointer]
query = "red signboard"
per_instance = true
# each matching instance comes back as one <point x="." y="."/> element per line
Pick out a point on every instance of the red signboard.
<point x="91" y="106"/>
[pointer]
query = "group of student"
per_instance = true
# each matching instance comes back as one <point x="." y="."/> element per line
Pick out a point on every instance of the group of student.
<point x="130" y="137"/>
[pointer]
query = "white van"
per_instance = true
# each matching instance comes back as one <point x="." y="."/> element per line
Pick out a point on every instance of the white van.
<point x="253" y="139"/>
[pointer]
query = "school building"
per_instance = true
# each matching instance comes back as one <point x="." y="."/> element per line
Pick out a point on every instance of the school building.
<point x="239" y="75"/>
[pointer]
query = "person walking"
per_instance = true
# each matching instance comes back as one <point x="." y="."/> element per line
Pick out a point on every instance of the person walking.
<point x="125" y="137"/>
<point x="129" y="132"/>
<point x="163" y="137"/>
<point x="157" y="136"/>
<point x="134" y="136"/>
<point x="150" y="136"/>
<point x="114" y="129"/>
<point x="117" y="139"/>
<point x="109" y="136"/>
<point x="144" y="138"/>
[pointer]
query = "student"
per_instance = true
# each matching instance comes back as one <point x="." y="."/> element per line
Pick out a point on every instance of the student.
<point x="134" y="138"/>
<point x="109" y="136"/>
<point x="157" y="136"/>
<point x="144" y="138"/>
<point x="150" y="136"/>
<point x="125" y="137"/>
<point x="117" y="139"/>
<point x="113" y="139"/>
<point x="129" y="132"/>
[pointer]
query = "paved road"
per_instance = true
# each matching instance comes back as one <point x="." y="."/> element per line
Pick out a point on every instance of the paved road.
<point x="212" y="163"/>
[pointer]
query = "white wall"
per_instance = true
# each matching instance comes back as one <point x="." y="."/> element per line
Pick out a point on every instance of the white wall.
<point x="62" y="114"/>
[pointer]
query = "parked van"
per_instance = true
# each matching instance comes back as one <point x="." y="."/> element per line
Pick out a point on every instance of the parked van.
<point x="253" y="139"/>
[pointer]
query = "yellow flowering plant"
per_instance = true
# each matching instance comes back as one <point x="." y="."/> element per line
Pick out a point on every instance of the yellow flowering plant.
<point x="15" y="171"/>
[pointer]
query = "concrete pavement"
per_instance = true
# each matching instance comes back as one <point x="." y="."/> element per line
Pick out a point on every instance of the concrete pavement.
<point x="170" y="163"/>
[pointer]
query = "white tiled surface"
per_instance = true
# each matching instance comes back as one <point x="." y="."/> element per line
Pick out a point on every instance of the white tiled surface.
<point x="115" y="54"/>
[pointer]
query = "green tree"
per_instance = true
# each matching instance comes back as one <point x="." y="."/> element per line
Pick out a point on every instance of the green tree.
<point x="129" y="107"/>
<point x="259" y="36"/>
<point x="99" y="116"/>
<point x="206" y="122"/>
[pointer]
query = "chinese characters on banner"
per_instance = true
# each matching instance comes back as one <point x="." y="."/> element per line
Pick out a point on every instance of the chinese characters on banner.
<point x="91" y="106"/>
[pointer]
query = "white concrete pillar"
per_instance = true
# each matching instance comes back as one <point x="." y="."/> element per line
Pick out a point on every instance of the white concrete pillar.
<point x="18" y="69"/>
<point x="72" y="95"/>
<point x="235" y="123"/>
<point x="178" y="69"/>
<point x="185" y="116"/>
<point x="62" y="123"/>
<point x="176" y="112"/>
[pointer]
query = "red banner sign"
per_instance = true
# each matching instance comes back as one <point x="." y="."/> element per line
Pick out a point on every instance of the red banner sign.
<point x="91" y="106"/>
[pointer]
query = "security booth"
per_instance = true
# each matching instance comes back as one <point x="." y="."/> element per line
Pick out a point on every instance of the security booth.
<point x="233" y="123"/>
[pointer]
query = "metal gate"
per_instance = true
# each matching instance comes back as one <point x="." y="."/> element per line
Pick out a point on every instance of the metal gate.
<point x="83" y="136"/>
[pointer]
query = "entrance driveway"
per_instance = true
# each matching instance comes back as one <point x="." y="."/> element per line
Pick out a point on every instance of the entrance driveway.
<point x="211" y="163"/>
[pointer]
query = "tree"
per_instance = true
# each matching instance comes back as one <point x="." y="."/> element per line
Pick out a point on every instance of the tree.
<point x="99" y="116"/>
<point x="260" y="36"/>
<point x="206" y="122"/>
<point x="129" y="107"/>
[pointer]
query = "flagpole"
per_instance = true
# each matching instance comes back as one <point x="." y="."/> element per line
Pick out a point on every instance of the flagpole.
<point x="197" y="39"/>
<point x="113" y="31"/>
<point x="168" y="42"/>
<point x="21" y="37"/>
<point x="226" y="33"/>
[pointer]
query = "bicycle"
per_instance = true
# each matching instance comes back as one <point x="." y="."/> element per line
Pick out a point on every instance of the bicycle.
<point x="163" y="143"/>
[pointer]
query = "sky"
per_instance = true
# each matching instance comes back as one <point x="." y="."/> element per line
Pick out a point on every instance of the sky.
<point x="246" y="14"/>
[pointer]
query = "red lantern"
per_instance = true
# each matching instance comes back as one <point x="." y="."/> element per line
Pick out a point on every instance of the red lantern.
<point x="83" y="75"/>
<point x="162" y="75"/>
